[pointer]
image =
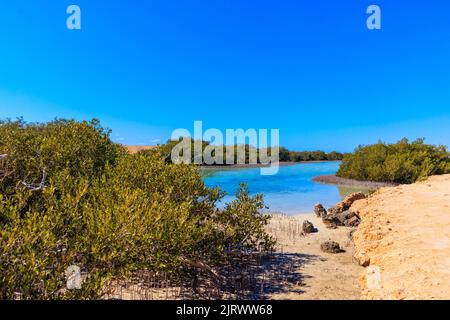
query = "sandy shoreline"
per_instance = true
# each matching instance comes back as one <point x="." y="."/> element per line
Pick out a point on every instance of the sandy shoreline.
<point x="243" y="166"/>
<point x="335" y="180"/>
<point x="323" y="276"/>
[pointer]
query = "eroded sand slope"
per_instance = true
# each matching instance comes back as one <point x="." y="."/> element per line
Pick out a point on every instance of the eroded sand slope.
<point x="404" y="238"/>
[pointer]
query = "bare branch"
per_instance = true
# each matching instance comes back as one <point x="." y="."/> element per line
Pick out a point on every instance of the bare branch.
<point x="38" y="186"/>
<point x="202" y="266"/>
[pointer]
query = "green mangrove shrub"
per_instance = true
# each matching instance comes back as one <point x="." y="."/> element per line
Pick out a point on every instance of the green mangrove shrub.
<point x="70" y="196"/>
<point x="401" y="162"/>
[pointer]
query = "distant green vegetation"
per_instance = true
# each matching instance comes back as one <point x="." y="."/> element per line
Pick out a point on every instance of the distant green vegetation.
<point x="70" y="196"/>
<point x="285" y="155"/>
<point x="402" y="162"/>
<point x="298" y="156"/>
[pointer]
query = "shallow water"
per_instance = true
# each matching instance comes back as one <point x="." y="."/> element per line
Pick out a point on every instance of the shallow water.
<point x="291" y="191"/>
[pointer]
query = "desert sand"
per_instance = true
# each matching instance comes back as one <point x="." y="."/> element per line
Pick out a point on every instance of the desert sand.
<point x="323" y="276"/>
<point x="404" y="239"/>
<point x="136" y="149"/>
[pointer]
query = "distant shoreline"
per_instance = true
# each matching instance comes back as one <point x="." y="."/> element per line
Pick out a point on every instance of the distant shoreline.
<point x="333" y="179"/>
<point x="260" y="165"/>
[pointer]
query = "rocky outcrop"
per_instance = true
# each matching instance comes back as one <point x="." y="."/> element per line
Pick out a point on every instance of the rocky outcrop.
<point x="345" y="204"/>
<point x="341" y="215"/>
<point x="332" y="221"/>
<point x="347" y="218"/>
<point x="331" y="247"/>
<point x="353" y="222"/>
<point x="319" y="210"/>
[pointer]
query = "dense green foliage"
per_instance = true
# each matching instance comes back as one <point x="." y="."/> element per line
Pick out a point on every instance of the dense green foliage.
<point x="285" y="155"/>
<point x="298" y="156"/>
<point x="402" y="162"/>
<point x="69" y="196"/>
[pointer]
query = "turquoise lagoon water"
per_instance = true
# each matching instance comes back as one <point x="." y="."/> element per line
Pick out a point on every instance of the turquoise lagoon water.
<point x="291" y="191"/>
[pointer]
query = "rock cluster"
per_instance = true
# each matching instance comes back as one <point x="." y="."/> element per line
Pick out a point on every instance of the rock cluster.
<point x="345" y="204"/>
<point x="340" y="215"/>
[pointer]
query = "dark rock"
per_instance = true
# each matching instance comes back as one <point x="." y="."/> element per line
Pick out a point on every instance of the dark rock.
<point x="308" y="227"/>
<point x="352" y="222"/>
<point x="332" y="211"/>
<point x="331" y="247"/>
<point x="337" y="218"/>
<point x="332" y="222"/>
<point x="344" y="216"/>
<point x="319" y="210"/>
<point x="341" y="214"/>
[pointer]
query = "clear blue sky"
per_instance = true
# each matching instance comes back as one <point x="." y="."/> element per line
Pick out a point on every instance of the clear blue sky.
<point x="310" y="68"/>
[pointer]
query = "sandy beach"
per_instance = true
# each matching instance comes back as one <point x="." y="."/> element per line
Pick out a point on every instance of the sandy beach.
<point x="323" y="275"/>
